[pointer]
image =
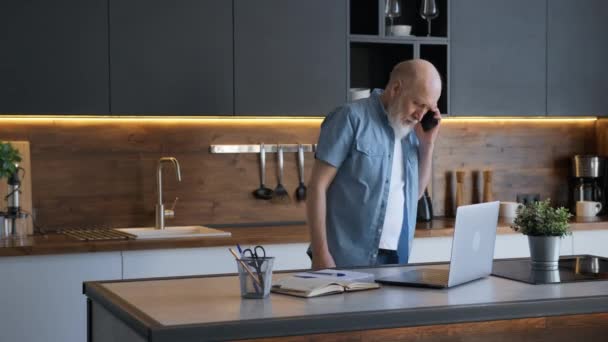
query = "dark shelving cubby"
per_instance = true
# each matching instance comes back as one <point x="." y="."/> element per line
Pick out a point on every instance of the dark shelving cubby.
<point x="364" y="17"/>
<point x="437" y="54"/>
<point x="374" y="52"/>
<point x="371" y="63"/>
<point x="410" y="15"/>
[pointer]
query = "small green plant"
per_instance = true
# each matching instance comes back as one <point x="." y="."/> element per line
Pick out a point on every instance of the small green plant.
<point x="8" y="157"/>
<point x="540" y="219"/>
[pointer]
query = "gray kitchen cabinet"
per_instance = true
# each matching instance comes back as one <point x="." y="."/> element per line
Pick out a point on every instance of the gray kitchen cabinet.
<point x="171" y="58"/>
<point x="41" y="296"/>
<point x="592" y="242"/>
<point x="577" y="46"/>
<point x="290" y="56"/>
<point x="498" y="57"/>
<point x="177" y="262"/>
<point x="206" y="260"/>
<point x="54" y="57"/>
<point x="437" y="249"/>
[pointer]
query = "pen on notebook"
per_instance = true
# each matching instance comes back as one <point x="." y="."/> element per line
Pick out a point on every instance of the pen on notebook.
<point x="337" y="274"/>
<point x="253" y="277"/>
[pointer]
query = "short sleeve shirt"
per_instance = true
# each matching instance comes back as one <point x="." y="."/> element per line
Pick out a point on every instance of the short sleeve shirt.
<point x="358" y="140"/>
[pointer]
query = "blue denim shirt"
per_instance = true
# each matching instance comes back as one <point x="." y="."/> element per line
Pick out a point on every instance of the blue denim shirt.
<point x="358" y="140"/>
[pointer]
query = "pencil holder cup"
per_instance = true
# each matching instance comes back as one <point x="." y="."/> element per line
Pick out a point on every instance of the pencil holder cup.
<point x="255" y="276"/>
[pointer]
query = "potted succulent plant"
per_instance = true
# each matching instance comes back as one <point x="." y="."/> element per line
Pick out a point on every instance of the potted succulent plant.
<point x="544" y="226"/>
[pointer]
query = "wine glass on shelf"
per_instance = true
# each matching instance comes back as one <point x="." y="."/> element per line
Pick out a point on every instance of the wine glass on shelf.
<point x="392" y="9"/>
<point x="429" y="11"/>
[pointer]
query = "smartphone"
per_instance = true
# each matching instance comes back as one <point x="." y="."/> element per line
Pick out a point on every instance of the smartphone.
<point x="428" y="121"/>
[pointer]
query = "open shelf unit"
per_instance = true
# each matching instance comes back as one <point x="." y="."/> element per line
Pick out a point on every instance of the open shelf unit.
<point x="371" y="63"/>
<point x="373" y="52"/>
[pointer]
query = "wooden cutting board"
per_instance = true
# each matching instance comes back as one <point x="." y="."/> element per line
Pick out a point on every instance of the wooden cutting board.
<point x="26" y="184"/>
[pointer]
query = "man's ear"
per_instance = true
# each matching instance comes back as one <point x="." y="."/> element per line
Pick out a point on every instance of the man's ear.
<point x="396" y="88"/>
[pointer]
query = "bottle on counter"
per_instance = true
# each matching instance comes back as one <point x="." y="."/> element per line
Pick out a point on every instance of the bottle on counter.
<point x="425" y="208"/>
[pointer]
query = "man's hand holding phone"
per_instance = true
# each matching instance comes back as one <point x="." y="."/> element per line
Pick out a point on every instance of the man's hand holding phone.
<point x="429" y="121"/>
<point x="428" y="127"/>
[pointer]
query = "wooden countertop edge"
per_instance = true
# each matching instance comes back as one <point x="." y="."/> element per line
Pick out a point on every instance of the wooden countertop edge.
<point x="53" y="243"/>
<point x="445" y="227"/>
<point x="50" y="244"/>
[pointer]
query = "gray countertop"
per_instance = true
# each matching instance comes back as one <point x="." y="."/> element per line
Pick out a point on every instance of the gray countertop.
<point x="191" y="307"/>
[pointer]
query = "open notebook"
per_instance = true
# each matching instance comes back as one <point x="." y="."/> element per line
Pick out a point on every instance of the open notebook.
<point x="340" y="275"/>
<point x="311" y="287"/>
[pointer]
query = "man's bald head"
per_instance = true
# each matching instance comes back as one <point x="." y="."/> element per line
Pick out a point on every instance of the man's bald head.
<point x="416" y="73"/>
<point x="412" y="91"/>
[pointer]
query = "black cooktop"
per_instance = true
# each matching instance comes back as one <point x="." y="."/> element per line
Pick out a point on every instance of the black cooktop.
<point x="571" y="269"/>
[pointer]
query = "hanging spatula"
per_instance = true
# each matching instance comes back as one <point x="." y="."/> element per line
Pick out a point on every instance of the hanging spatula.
<point x="280" y="193"/>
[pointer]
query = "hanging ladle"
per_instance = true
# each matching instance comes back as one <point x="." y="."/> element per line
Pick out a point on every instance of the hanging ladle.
<point x="301" y="190"/>
<point x="262" y="192"/>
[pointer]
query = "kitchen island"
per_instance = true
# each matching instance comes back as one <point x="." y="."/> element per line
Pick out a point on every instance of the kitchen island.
<point x="62" y="264"/>
<point x="210" y="308"/>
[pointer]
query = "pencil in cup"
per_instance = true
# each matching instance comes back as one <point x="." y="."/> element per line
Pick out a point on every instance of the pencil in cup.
<point x="249" y="268"/>
<point x="256" y="282"/>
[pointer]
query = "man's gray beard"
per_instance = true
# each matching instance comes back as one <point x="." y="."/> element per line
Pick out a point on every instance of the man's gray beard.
<point x="401" y="130"/>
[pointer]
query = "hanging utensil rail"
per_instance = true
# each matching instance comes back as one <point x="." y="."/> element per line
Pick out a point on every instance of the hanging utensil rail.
<point x="255" y="148"/>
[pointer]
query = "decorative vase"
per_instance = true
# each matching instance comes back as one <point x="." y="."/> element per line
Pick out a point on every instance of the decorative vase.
<point x="544" y="252"/>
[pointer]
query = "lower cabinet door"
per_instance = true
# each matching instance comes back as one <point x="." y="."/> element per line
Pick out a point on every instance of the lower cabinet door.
<point x="593" y="242"/>
<point x="208" y="260"/>
<point x="507" y="246"/>
<point x="41" y="296"/>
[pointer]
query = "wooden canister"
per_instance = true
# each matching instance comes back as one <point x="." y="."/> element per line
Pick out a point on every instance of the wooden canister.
<point x="487" y="186"/>
<point x="459" y="188"/>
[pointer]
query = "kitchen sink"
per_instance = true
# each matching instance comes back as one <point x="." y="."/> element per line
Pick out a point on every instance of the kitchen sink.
<point x="174" y="232"/>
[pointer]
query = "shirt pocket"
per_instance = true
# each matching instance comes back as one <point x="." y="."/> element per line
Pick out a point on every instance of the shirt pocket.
<point x="367" y="171"/>
<point x="369" y="149"/>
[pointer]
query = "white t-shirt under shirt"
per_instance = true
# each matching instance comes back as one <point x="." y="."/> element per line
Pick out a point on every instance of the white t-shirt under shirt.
<point x="393" y="220"/>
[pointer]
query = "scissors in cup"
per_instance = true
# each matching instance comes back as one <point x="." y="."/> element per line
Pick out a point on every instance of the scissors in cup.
<point x="257" y="255"/>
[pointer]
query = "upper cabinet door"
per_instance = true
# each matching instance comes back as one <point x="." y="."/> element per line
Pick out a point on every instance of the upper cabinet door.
<point x="290" y="56"/>
<point x="171" y="57"/>
<point x="498" y="57"/>
<point x="578" y="57"/>
<point x="54" y="57"/>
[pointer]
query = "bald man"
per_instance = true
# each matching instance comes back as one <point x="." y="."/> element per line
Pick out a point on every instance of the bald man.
<point x="372" y="164"/>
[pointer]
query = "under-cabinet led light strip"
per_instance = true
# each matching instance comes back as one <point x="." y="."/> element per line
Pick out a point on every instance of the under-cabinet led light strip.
<point x="269" y="148"/>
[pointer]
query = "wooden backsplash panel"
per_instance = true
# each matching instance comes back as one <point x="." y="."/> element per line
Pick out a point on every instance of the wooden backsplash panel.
<point x="525" y="156"/>
<point x="602" y="137"/>
<point x="101" y="173"/>
<point x="96" y="173"/>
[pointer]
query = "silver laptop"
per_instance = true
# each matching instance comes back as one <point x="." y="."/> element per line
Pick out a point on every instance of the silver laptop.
<point x="472" y="251"/>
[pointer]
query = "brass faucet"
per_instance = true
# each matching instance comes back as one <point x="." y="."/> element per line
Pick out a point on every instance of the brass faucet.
<point x="161" y="213"/>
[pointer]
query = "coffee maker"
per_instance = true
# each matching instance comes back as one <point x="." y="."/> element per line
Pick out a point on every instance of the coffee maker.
<point x="589" y="180"/>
